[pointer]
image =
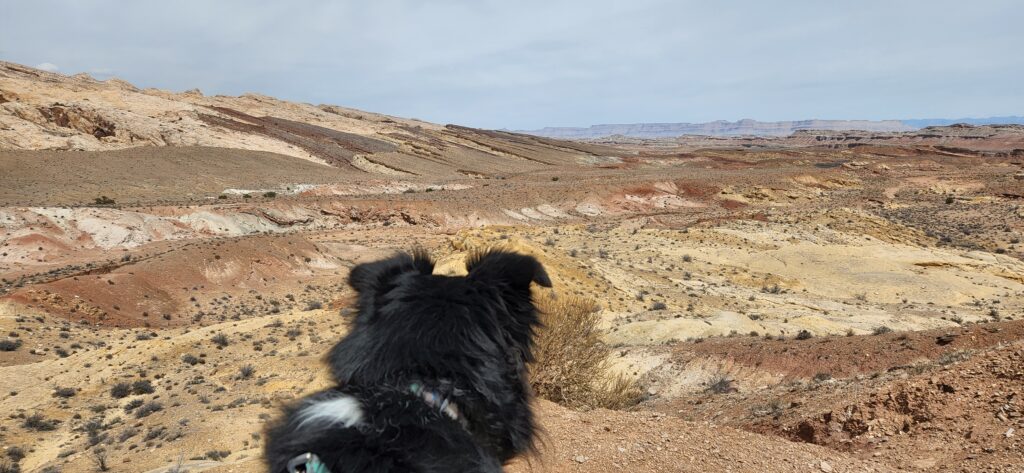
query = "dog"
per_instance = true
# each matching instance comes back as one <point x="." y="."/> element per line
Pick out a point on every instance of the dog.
<point x="432" y="376"/>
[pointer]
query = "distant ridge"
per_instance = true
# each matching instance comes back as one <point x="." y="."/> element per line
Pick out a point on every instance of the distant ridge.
<point x="923" y="122"/>
<point x="754" y="127"/>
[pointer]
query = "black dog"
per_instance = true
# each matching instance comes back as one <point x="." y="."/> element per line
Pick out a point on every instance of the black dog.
<point x="431" y="378"/>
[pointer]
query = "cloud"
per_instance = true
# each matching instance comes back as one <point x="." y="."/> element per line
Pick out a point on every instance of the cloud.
<point x="101" y="73"/>
<point x="534" y="63"/>
<point x="48" y="67"/>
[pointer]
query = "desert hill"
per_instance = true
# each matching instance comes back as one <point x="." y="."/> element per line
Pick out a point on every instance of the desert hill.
<point x="46" y="111"/>
<point x="826" y="301"/>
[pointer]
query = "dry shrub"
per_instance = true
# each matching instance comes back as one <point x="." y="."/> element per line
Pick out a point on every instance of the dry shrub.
<point x="571" y="366"/>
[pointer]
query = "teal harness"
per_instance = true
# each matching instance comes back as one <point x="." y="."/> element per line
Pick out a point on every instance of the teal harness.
<point x="310" y="463"/>
<point x="307" y="463"/>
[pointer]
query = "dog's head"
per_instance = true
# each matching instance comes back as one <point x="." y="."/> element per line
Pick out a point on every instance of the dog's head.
<point x="412" y="322"/>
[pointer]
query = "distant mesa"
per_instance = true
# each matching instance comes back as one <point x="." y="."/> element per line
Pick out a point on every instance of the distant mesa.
<point x="755" y="128"/>
<point x="927" y="122"/>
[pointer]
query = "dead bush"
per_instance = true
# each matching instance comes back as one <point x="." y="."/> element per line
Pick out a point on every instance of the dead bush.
<point x="120" y="390"/>
<point x="822" y="377"/>
<point x="246" y="371"/>
<point x="133" y="404"/>
<point x="571" y="366"/>
<point x="217" y="455"/>
<point x="36" y="422"/>
<point x="15" y="453"/>
<point x="99" y="458"/>
<point x="881" y="330"/>
<point x="721" y="384"/>
<point x="148" y="408"/>
<point x="143" y="386"/>
<point x="951" y="357"/>
<point x="191" y="359"/>
<point x="221" y="340"/>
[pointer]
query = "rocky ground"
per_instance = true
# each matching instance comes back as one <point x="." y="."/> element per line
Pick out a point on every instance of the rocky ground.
<point x="172" y="268"/>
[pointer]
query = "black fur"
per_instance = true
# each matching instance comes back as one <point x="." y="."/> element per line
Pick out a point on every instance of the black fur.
<point x="467" y="338"/>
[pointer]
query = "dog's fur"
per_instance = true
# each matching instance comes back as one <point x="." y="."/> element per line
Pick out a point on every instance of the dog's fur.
<point x="467" y="339"/>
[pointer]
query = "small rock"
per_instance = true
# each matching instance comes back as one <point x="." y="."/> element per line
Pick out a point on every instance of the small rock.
<point x="825" y="467"/>
<point x="1009" y="432"/>
<point x="580" y="459"/>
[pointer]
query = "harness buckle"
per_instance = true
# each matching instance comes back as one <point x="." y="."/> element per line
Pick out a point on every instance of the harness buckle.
<point x="307" y="463"/>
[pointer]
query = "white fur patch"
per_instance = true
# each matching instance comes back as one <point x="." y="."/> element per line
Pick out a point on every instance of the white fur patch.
<point x="343" y="410"/>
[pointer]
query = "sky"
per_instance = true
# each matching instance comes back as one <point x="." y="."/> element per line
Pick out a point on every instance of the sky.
<point x="525" y="64"/>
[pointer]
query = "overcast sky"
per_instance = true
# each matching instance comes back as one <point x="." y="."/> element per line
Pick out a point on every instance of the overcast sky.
<point x="526" y="64"/>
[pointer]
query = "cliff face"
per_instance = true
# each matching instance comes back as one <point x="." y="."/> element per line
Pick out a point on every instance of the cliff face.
<point x="44" y="110"/>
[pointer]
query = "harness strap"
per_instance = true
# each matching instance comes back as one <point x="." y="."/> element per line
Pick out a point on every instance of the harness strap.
<point x="307" y="463"/>
<point x="435" y="400"/>
<point x="310" y="463"/>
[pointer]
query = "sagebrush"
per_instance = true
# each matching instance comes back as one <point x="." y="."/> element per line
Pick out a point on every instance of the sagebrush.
<point x="571" y="366"/>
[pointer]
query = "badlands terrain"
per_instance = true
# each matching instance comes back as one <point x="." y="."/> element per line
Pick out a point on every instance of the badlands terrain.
<point x="172" y="269"/>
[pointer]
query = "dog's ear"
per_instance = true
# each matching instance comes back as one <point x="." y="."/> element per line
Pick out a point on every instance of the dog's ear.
<point x="370" y="279"/>
<point x="513" y="269"/>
